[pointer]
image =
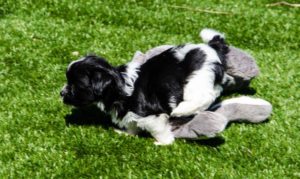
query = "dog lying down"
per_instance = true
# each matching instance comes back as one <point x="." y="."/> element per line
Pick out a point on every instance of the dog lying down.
<point x="175" y="84"/>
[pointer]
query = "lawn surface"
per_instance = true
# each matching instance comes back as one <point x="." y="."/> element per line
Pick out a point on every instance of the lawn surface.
<point x="42" y="138"/>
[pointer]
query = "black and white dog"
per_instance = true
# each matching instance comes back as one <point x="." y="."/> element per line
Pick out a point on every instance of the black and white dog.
<point x="179" y="82"/>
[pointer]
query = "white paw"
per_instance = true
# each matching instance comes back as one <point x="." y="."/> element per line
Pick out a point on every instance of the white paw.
<point x="168" y="141"/>
<point x="166" y="137"/>
<point x="161" y="143"/>
<point x="183" y="109"/>
<point x="164" y="117"/>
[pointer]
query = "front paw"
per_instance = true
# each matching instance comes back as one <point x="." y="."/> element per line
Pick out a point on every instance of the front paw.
<point x="183" y="109"/>
<point x="161" y="143"/>
<point x="166" y="137"/>
<point x="168" y="141"/>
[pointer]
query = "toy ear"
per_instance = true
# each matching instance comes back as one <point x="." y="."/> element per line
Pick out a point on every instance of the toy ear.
<point x="242" y="67"/>
<point x="241" y="64"/>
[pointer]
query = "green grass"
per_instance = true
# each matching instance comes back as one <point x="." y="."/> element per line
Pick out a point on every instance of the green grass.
<point x="37" y="39"/>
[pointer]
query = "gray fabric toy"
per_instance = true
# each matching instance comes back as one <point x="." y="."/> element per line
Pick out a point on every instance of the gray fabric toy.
<point x="210" y="123"/>
<point x="241" y="69"/>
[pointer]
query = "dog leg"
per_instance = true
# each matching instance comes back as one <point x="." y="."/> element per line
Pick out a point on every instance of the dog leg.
<point x="196" y="99"/>
<point x="159" y="128"/>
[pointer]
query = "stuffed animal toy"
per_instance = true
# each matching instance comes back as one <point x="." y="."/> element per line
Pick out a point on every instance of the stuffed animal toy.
<point x="241" y="69"/>
<point x="213" y="121"/>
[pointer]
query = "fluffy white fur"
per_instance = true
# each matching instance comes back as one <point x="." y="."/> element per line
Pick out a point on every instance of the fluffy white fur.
<point x="180" y="53"/>
<point x="101" y="106"/>
<point x="209" y="34"/>
<point x="130" y="75"/>
<point x="159" y="128"/>
<point x="157" y="125"/>
<point x="172" y="102"/>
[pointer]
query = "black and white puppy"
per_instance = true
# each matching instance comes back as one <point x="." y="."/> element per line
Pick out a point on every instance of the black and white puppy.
<point x="179" y="82"/>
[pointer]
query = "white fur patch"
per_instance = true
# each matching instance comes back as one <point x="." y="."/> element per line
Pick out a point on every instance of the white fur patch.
<point x="101" y="106"/>
<point x="208" y="34"/>
<point x="172" y="102"/>
<point x="180" y="52"/>
<point x="130" y="76"/>
<point x="115" y="120"/>
<point x="211" y="55"/>
<point x="127" y="119"/>
<point x="159" y="128"/>
<point x="199" y="93"/>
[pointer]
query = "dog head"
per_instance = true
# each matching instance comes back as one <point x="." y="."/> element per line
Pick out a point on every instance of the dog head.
<point x="89" y="80"/>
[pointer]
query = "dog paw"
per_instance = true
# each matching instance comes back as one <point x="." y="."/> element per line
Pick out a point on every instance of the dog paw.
<point x="164" y="138"/>
<point x="169" y="142"/>
<point x="161" y="143"/>
<point x="182" y="110"/>
<point x="185" y="109"/>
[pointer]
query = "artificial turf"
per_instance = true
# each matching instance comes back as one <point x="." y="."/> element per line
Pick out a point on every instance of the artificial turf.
<point x="42" y="138"/>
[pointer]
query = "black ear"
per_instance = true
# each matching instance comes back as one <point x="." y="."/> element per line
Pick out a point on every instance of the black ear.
<point x="100" y="81"/>
<point x="105" y="76"/>
<point x="116" y="81"/>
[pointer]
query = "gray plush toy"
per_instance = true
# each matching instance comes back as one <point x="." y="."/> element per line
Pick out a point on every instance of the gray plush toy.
<point x="241" y="69"/>
<point x="210" y="123"/>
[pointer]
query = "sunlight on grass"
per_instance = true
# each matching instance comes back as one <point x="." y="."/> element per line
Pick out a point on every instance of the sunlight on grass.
<point x="38" y="40"/>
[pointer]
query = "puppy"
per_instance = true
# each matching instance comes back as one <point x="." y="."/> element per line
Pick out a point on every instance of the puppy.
<point x="178" y="82"/>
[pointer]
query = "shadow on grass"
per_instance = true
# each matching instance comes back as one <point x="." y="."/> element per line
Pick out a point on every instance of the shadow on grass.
<point x="92" y="116"/>
<point x="247" y="122"/>
<point x="88" y="116"/>
<point x="210" y="142"/>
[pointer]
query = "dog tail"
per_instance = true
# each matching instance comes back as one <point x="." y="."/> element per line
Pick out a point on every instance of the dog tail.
<point x="216" y="40"/>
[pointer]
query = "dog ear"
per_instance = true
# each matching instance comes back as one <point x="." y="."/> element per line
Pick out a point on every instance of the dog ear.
<point x="100" y="80"/>
<point x="107" y="77"/>
<point x="117" y="81"/>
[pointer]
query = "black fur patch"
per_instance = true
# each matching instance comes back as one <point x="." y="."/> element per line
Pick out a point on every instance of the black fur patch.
<point x="218" y="43"/>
